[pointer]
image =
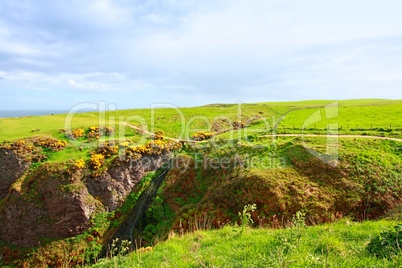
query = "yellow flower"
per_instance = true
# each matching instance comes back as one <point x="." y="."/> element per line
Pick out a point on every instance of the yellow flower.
<point x="79" y="163"/>
<point x="96" y="161"/>
<point x="78" y="133"/>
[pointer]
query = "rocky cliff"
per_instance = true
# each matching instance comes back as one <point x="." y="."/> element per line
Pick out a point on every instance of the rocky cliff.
<point x="53" y="202"/>
<point x="12" y="167"/>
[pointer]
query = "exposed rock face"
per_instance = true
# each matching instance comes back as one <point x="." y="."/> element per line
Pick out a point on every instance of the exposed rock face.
<point x="117" y="182"/>
<point x="47" y="211"/>
<point x="49" y="202"/>
<point x="11" y="168"/>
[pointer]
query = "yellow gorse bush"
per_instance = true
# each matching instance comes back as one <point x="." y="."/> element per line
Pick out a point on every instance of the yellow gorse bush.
<point x="157" y="146"/>
<point x="203" y="135"/>
<point x="124" y="144"/>
<point x="95" y="132"/>
<point x="19" y="143"/>
<point x="79" y="163"/>
<point x="96" y="161"/>
<point x="78" y="133"/>
<point x="239" y="124"/>
<point x="108" y="150"/>
<point x="19" y="146"/>
<point x="93" y="129"/>
<point x="53" y="144"/>
<point x="159" y="135"/>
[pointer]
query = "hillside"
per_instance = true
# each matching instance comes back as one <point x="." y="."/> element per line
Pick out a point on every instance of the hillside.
<point x="338" y="244"/>
<point x="77" y="185"/>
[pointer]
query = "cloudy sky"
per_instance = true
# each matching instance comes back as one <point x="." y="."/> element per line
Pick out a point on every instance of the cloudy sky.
<point x="56" y="54"/>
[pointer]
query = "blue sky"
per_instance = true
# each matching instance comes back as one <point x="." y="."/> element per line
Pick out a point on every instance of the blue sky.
<point x="57" y="54"/>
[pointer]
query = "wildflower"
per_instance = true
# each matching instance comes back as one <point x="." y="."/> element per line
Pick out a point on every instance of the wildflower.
<point x="203" y="135"/>
<point x="78" y="133"/>
<point x="79" y="163"/>
<point x="96" y="161"/>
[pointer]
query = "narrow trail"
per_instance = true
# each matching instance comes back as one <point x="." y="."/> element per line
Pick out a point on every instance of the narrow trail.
<point x="339" y="136"/>
<point x="153" y="134"/>
<point x="275" y="135"/>
<point x="180" y="140"/>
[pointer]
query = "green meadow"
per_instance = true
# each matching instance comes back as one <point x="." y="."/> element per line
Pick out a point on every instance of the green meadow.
<point x="340" y="244"/>
<point x="346" y="117"/>
<point x="351" y="115"/>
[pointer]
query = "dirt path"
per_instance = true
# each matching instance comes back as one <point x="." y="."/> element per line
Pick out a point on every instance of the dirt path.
<point x="142" y="131"/>
<point x="274" y="135"/>
<point x="339" y="136"/>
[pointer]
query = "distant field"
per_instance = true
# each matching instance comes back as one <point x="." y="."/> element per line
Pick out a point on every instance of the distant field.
<point x="359" y="102"/>
<point x="366" y="114"/>
<point x="165" y="119"/>
<point x="366" y="117"/>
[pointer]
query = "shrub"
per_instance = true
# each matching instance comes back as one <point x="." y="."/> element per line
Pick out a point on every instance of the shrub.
<point x="79" y="163"/>
<point x="50" y="143"/>
<point x="203" y="135"/>
<point x="156" y="147"/>
<point x="94" y="132"/>
<point x="78" y="133"/>
<point x="239" y="124"/>
<point x="108" y="150"/>
<point x="96" y="161"/>
<point x="387" y="244"/>
<point x="159" y="136"/>
<point x="245" y="216"/>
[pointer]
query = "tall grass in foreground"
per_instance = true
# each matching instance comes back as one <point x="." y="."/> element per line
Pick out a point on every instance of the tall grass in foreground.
<point x="339" y="244"/>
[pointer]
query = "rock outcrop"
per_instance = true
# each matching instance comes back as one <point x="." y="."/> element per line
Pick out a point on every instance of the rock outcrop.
<point x="50" y="202"/>
<point x="116" y="183"/>
<point x="12" y="167"/>
<point x="45" y="207"/>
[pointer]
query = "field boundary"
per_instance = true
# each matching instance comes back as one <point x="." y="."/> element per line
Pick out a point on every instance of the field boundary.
<point x="339" y="136"/>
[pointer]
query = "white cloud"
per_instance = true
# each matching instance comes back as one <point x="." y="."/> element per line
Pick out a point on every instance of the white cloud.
<point x="215" y="49"/>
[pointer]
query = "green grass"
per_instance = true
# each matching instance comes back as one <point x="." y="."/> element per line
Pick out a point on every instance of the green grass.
<point x="346" y="118"/>
<point x="339" y="244"/>
<point x="69" y="153"/>
<point x="356" y="102"/>
<point x="381" y="114"/>
<point x="170" y="120"/>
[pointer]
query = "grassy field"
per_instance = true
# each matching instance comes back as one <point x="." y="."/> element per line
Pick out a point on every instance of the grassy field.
<point x="364" y="117"/>
<point x="358" y="102"/>
<point x="340" y="244"/>
<point x="170" y="121"/>
<point x="382" y="119"/>
<point x="352" y="114"/>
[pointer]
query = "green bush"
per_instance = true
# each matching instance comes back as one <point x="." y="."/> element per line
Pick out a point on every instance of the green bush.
<point x="387" y="244"/>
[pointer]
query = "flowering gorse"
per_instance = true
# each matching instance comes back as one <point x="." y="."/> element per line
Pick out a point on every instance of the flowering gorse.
<point x="78" y="133"/>
<point x="79" y="163"/>
<point x="203" y="135"/>
<point x="53" y="144"/>
<point x="96" y="161"/>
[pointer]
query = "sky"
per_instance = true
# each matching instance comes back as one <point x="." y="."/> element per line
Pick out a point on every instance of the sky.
<point x="132" y="54"/>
